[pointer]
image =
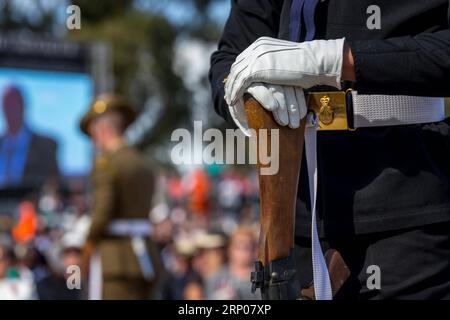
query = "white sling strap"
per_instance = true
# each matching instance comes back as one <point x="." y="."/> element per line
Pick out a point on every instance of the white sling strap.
<point x="322" y="285"/>
<point x="95" y="283"/>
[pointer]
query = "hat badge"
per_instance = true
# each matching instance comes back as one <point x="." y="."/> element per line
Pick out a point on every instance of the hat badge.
<point x="99" y="107"/>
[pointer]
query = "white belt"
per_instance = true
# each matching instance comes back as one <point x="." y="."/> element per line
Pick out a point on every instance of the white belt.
<point x="383" y="110"/>
<point x="368" y="111"/>
<point x="130" y="228"/>
<point x="341" y="110"/>
<point x="137" y="230"/>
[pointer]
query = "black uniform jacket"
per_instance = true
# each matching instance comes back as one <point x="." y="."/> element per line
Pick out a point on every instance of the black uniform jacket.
<point x="374" y="179"/>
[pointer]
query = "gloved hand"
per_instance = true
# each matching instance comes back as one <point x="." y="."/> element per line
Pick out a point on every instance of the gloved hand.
<point x="281" y="62"/>
<point x="287" y="104"/>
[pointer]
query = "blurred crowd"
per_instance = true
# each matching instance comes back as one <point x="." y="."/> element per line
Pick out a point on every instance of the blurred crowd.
<point x="204" y="224"/>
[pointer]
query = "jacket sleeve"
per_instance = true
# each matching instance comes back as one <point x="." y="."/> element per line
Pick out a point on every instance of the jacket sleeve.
<point x="103" y="180"/>
<point x="248" y="20"/>
<point x="413" y="65"/>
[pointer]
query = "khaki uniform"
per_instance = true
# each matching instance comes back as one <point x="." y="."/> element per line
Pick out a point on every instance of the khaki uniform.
<point x="123" y="188"/>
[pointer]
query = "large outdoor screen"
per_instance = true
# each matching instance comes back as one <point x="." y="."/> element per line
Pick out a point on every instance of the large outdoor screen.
<point x="39" y="134"/>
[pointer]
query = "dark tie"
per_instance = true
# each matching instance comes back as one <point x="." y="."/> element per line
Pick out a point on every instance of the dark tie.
<point x="309" y="10"/>
<point x="305" y="9"/>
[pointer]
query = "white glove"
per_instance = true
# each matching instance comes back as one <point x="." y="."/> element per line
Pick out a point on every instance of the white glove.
<point x="276" y="61"/>
<point x="287" y="104"/>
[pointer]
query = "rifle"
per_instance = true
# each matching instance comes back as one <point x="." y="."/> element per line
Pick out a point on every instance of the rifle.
<point x="275" y="272"/>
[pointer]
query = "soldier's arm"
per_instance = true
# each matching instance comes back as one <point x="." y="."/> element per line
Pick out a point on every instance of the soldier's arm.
<point x="248" y="20"/>
<point x="103" y="201"/>
<point x="411" y="65"/>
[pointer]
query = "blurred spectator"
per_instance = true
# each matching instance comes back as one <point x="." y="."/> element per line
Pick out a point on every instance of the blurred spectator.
<point x="15" y="283"/>
<point x="211" y="259"/>
<point x="212" y="253"/>
<point x="25" y="230"/>
<point x="231" y="193"/>
<point x="54" y="286"/>
<point x="175" y="189"/>
<point x="162" y="225"/>
<point x="198" y="186"/>
<point x="180" y="271"/>
<point x="36" y="263"/>
<point x="233" y="282"/>
<point x="193" y="289"/>
<point x="6" y="260"/>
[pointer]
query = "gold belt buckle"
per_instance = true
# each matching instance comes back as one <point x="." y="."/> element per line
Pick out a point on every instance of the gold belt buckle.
<point x="330" y="108"/>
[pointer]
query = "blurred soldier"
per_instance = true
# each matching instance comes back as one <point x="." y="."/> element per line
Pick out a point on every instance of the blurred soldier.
<point x="123" y="188"/>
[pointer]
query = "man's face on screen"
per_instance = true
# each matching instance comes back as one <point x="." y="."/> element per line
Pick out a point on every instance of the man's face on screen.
<point x="13" y="109"/>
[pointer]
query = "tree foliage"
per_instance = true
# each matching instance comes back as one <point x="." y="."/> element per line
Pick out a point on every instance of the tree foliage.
<point x="97" y="11"/>
<point x="40" y="18"/>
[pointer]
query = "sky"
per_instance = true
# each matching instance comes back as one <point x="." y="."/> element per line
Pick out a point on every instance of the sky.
<point x="178" y="12"/>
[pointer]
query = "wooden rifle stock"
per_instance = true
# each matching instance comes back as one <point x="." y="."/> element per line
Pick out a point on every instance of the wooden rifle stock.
<point x="274" y="272"/>
<point x="278" y="192"/>
<point x="278" y="196"/>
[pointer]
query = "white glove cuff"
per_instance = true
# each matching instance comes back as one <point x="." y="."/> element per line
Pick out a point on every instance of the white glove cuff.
<point x="239" y="117"/>
<point x="336" y="46"/>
